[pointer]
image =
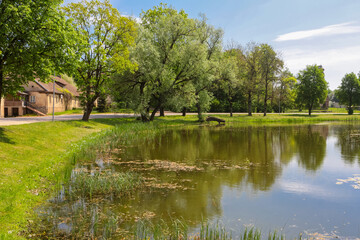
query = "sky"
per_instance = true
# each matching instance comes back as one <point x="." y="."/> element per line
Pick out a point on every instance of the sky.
<point x="304" y="32"/>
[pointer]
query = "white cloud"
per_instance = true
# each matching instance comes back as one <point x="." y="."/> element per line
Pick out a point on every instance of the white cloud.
<point x="337" y="61"/>
<point x="337" y="29"/>
<point x="306" y="189"/>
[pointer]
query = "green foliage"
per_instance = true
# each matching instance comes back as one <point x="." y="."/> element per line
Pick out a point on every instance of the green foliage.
<point x="251" y="73"/>
<point x="173" y="54"/>
<point x="312" y="88"/>
<point x="348" y="92"/>
<point x="104" y="40"/>
<point x="284" y="93"/>
<point x="270" y="65"/>
<point x="35" y="41"/>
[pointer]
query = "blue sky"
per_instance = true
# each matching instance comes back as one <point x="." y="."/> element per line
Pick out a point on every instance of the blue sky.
<point x="325" y="32"/>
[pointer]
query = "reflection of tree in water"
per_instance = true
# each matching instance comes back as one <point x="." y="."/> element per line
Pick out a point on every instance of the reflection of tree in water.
<point x="311" y="143"/>
<point x="262" y="149"/>
<point x="349" y="142"/>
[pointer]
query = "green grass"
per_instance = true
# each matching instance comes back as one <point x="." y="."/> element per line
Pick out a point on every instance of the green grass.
<point x="81" y="111"/>
<point x="178" y="229"/>
<point x="106" y="183"/>
<point x="34" y="158"/>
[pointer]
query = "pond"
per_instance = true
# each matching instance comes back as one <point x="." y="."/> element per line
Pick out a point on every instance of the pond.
<point x="290" y="178"/>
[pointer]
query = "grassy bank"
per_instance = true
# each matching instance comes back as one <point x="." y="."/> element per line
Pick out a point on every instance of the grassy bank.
<point x="275" y="118"/>
<point x="34" y="158"/>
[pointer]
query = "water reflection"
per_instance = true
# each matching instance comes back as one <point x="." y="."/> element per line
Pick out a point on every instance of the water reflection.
<point x="348" y="139"/>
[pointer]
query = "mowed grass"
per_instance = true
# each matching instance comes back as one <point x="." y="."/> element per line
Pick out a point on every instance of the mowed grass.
<point x="32" y="162"/>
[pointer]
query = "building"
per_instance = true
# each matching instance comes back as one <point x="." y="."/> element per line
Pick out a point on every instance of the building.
<point x="37" y="98"/>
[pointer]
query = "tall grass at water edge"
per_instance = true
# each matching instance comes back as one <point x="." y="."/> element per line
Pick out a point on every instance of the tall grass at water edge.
<point x="104" y="142"/>
<point x="178" y="229"/>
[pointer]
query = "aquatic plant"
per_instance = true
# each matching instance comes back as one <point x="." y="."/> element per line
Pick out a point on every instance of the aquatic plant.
<point x="103" y="184"/>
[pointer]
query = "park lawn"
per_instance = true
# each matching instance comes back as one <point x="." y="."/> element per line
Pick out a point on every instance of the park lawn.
<point x="81" y="111"/>
<point x="32" y="162"/>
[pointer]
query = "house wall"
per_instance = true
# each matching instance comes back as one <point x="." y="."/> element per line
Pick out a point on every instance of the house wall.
<point x="13" y="106"/>
<point x="40" y="101"/>
<point x="2" y="103"/>
<point x="59" y="103"/>
<point x="75" y="103"/>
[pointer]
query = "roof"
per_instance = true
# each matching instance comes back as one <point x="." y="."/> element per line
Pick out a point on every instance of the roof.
<point x="49" y="87"/>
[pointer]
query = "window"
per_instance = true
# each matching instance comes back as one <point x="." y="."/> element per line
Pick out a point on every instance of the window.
<point x="32" y="99"/>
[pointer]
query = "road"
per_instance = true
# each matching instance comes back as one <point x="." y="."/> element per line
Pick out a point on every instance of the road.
<point x="34" y="119"/>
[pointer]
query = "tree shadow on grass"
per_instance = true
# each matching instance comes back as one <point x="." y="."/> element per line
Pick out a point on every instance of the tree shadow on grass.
<point x="4" y="138"/>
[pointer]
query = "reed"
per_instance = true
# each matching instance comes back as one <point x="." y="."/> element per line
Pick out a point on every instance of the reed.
<point x="103" y="184"/>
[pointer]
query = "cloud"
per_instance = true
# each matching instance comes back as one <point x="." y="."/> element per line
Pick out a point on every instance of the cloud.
<point x="337" y="60"/>
<point x="307" y="189"/>
<point x="337" y="29"/>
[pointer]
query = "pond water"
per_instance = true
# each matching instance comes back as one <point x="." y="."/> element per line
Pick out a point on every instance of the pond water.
<point x="293" y="179"/>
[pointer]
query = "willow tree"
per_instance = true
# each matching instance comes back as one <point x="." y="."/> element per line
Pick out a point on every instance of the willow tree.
<point x="170" y="56"/>
<point x="35" y="40"/>
<point x="105" y="38"/>
<point x="349" y="92"/>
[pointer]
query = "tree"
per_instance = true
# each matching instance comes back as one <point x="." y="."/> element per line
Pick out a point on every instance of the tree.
<point x="208" y="69"/>
<point x="172" y="55"/>
<point x="105" y="38"/>
<point x="312" y="88"/>
<point x="35" y="41"/>
<point x="285" y="93"/>
<point x="349" y="91"/>
<point x="230" y="74"/>
<point x="270" y="66"/>
<point x="251" y="56"/>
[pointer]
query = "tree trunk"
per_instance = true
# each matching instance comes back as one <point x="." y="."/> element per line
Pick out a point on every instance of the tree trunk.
<point x="162" y="112"/>
<point x="154" y="112"/>
<point x="1" y="91"/>
<point x="184" y="111"/>
<point x="88" y="109"/>
<point x="265" y="99"/>
<point x="310" y="107"/>
<point x="231" y="107"/>
<point x="249" y="104"/>
<point x="145" y="117"/>
<point x="199" y="111"/>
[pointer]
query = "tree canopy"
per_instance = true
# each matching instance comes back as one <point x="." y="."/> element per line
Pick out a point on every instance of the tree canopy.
<point x="35" y="40"/>
<point x="348" y="92"/>
<point x="312" y="88"/>
<point x="104" y="40"/>
<point x="173" y="54"/>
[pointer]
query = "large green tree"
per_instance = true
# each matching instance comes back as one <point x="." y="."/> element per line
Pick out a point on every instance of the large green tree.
<point x="35" y="40"/>
<point x="230" y="74"/>
<point x="172" y="54"/>
<point x="251" y="56"/>
<point x="105" y="38"/>
<point x="311" y="88"/>
<point x="270" y="66"/>
<point x="348" y="92"/>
